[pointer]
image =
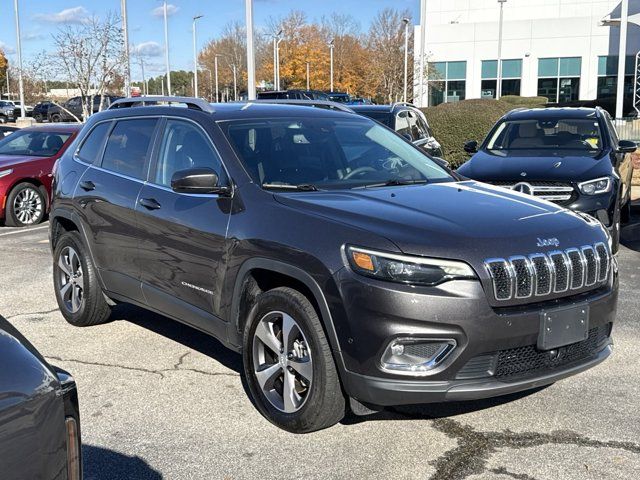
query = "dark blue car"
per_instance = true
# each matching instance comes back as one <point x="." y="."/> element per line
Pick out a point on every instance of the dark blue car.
<point x="570" y="156"/>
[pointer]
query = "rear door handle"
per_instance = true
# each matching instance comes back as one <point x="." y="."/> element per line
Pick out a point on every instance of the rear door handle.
<point x="149" y="203"/>
<point x="87" y="185"/>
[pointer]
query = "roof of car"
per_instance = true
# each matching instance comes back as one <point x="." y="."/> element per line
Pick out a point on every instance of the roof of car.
<point x="56" y="128"/>
<point x="551" y="113"/>
<point x="241" y="110"/>
<point x="372" y="108"/>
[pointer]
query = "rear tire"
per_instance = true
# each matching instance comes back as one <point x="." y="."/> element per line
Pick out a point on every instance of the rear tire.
<point x="301" y="366"/>
<point x="77" y="289"/>
<point x="56" y="118"/>
<point x="26" y="205"/>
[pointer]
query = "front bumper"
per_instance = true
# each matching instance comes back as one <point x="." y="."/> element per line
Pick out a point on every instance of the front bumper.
<point x="378" y="312"/>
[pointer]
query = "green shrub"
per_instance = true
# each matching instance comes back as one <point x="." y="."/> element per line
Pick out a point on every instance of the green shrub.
<point x="455" y="123"/>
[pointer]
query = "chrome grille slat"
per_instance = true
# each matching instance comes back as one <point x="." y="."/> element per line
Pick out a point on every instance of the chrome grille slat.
<point x="556" y="192"/>
<point x="541" y="274"/>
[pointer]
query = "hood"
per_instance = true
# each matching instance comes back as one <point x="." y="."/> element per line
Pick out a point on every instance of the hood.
<point x="464" y="220"/>
<point x="509" y="165"/>
<point x="8" y="161"/>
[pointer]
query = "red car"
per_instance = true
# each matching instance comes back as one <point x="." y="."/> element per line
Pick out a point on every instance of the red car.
<point x="27" y="157"/>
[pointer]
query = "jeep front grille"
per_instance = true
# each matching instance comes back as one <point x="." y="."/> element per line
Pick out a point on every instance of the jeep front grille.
<point x="542" y="274"/>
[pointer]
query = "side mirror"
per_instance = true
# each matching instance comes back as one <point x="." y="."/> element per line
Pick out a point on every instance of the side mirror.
<point x="197" y="180"/>
<point x="442" y="162"/>
<point x="471" y="146"/>
<point x="627" y="146"/>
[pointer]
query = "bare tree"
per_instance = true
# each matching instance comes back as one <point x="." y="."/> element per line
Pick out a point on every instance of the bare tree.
<point x="91" y="55"/>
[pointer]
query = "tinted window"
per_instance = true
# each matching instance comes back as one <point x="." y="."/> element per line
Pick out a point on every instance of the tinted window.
<point x="184" y="146"/>
<point x="128" y="147"/>
<point x="92" y="146"/>
<point x="33" y="143"/>
<point x="402" y="123"/>
<point x="328" y="153"/>
<point x="416" y="132"/>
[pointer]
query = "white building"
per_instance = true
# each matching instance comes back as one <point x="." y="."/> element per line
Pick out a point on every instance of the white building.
<point x="553" y="48"/>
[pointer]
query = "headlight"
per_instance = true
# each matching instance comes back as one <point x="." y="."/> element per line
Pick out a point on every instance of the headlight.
<point x="4" y="173"/>
<point x="595" y="187"/>
<point x="406" y="269"/>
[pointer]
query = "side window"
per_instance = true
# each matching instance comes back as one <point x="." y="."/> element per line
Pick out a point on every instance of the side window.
<point x="416" y="132"/>
<point x="402" y="123"/>
<point x="128" y="147"/>
<point x="91" y="148"/>
<point x="184" y="146"/>
<point x="424" y="127"/>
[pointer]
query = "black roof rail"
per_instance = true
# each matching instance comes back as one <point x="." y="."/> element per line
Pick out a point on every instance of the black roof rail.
<point x="326" y="104"/>
<point x="190" y="102"/>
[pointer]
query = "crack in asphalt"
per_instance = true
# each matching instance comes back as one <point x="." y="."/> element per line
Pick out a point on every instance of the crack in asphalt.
<point x="475" y="448"/>
<point x="159" y="372"/>
<point x="39" y="315"/>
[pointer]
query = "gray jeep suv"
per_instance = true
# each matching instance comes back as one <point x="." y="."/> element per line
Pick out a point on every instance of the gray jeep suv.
<point x="345" y="265"/>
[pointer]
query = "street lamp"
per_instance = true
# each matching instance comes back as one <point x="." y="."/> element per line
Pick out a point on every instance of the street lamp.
<point x="210" y="82"/>
<point x="499" y="80"/>
<point x="235" y="81"/>
<point x="19" y="45"/>
<point x="166" y="47"/>
<point x="406" y="55"/>
<point x="277" y="38"/>
<point x="215" y="67"/>
<point x="331" y="46"/>
<point x="308" y="83"/>
<point x="423" y="36"/>
<point x="195" y="57"/>
<point x="125" y="29"/>
<point x="251" y="61"/>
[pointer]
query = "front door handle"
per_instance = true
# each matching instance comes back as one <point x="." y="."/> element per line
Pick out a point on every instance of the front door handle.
<point x="87" y="185"/>
<point x="149" y="203"/>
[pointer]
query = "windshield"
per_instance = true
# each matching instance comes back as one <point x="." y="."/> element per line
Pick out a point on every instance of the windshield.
<point x="329" y="153"/>
<point x="37" y="144"/>
<point x="563" y="134"/>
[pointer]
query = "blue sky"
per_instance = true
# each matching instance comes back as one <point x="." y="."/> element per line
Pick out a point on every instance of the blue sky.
<point x="40" y="18"/>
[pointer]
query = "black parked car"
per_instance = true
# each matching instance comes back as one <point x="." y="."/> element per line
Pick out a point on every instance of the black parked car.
<point x="405" y="119"/>
<point x="569" y="156"/>
<point x="6" y="130"/>
<point x="39" y="415"/>
<point x="292" y="95"/>
<point x="340" y="259"/>
<point x="41" y="111"/>
<point x="74" y="105"/>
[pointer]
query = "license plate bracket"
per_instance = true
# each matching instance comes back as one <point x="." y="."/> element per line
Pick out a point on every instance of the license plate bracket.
<point x="563" y="326"/>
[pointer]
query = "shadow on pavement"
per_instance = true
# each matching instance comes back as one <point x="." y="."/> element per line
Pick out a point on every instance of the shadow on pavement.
<point x="178" y="332"/>
<point x="104" y="464"/>
<point x="630" y="234"/>
<point x="437" y="410"/>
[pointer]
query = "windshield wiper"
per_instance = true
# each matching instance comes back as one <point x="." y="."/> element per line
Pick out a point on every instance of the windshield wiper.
<point x="393" y="183"/>
<point x="303" y="187"/>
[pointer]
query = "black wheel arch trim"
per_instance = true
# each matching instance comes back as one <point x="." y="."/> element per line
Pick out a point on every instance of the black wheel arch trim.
<point x="235" y="337"/>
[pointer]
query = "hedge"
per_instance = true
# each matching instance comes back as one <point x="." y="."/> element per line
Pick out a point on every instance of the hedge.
<point x="455" y="123"/>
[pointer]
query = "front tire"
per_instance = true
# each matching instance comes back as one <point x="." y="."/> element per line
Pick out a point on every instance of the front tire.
<point x="77" y="289"/>
<point x="26" y="206"/>
<point x="288" y="364"/>
<point x="56" y="118"/>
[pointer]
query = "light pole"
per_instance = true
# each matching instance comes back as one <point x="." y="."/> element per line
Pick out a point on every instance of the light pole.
<point x="622" y="56"/>
<point x="499" y="80"/>
<point x="235" y="82"/>
<point x="215" y="67"/>
<point x="210" y="83"/>
<point x="19" y="45"/>
<point x="406" y="56"/>
<point x="195" y="57"/>
<point x="166" y="47"/>
<point x="125" y="29"/>
<point x="251" y="61"/>
<point x="144" y="80"/>
<point x="308" y="83"/>
<point x="423" y="37"/>
<point x="331" y="46"/>
<point x="277" y="38"/>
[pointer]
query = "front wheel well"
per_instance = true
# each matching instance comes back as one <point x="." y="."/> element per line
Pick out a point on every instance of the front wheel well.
<point x="60" y="226"/>
<point x="259" y="280"/>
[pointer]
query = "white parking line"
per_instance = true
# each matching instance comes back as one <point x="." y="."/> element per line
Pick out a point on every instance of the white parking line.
<point x="24" y="230"/>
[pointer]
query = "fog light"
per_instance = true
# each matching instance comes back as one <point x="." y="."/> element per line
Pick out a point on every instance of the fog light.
<point x="415" y="356"/>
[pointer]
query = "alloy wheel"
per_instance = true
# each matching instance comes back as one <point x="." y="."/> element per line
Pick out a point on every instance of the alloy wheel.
<point x="71" y="285"/>
<point x="282" y="361"/>
<point x="28" y="206"/>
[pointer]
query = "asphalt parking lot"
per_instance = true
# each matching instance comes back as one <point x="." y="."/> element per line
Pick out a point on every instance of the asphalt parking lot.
<point x="160" y="400"/>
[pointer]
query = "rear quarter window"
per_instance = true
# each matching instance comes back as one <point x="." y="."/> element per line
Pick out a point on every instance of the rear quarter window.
<point x="91" y="149"/>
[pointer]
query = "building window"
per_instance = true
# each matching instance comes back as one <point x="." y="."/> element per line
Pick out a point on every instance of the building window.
<point x="559" y="79"/>
<point x="608" y="82"/>
<point x="447" y="82"/>
<point x="511" y="74"/>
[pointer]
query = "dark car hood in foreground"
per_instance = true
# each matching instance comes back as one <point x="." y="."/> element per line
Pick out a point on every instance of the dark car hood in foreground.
<point x="466" y="220"/>
<point x="507" y="165"/>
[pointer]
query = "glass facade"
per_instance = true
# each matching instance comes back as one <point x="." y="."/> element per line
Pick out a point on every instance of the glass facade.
<point x="608" y="82"/>
<point x="511" y="77"/>
<point x="559" y="79"/>
<point x="447" y="82"/>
